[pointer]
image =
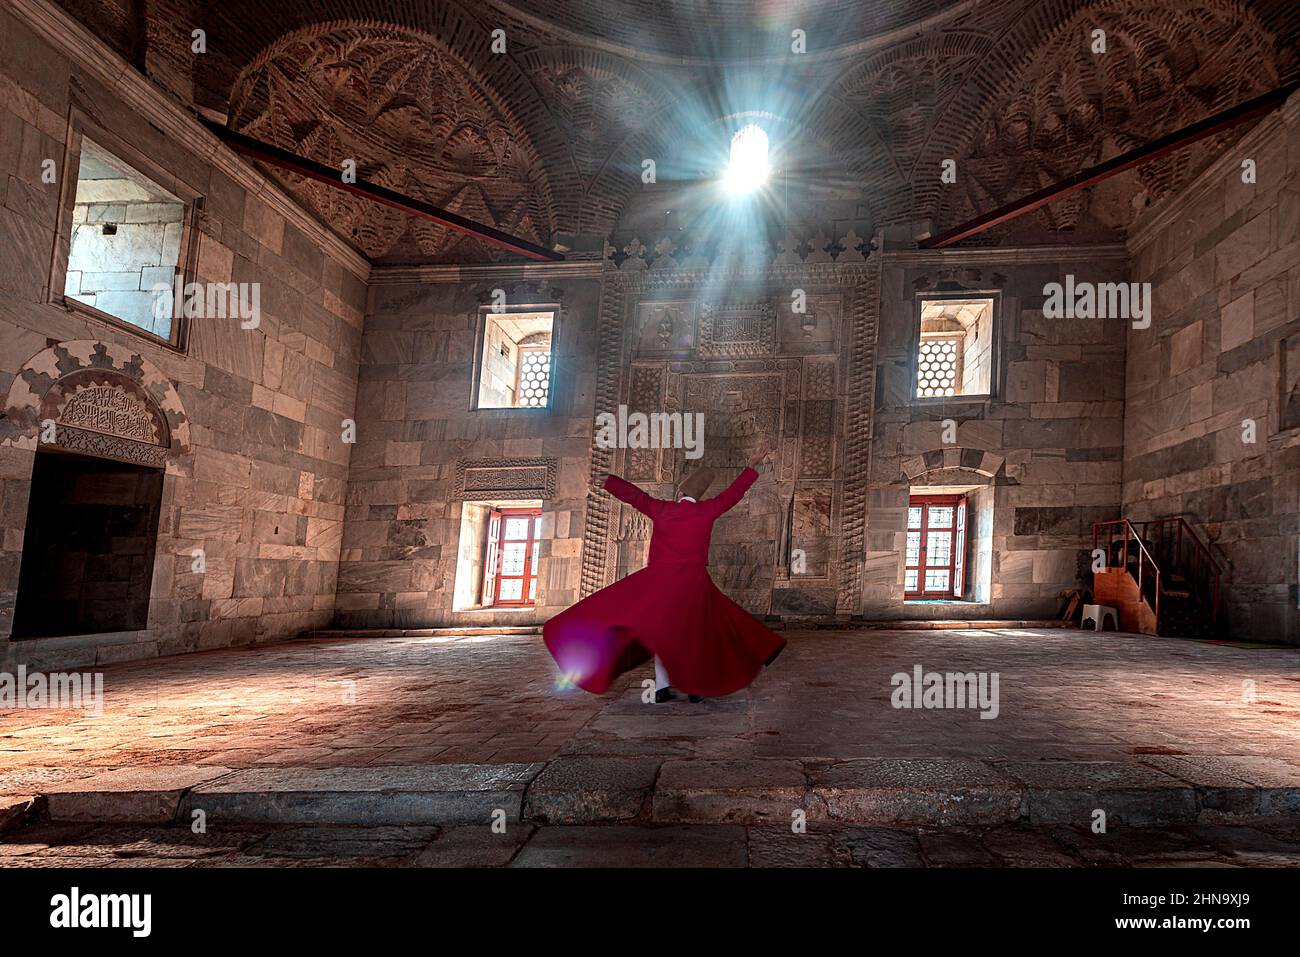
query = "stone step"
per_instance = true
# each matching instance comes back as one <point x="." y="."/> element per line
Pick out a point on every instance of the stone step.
<point x="14" y="809"/>
<point x="933" y="624"/>
<point x="575" y="789"/>
<point x="779" y="623"/>
<point x="410" y="795"/>
<point x="457" y="632"/>
<point x="127" y="795"/>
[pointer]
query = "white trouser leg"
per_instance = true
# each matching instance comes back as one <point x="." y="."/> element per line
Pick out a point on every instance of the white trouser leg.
<point x="661" y="675"/>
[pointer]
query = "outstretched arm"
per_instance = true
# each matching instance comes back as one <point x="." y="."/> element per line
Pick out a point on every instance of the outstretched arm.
<point x="625" y="491"/>
<point x="734" y="492"/>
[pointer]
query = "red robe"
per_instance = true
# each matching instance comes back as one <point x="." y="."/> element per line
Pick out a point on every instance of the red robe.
<point x="708" y="644"/>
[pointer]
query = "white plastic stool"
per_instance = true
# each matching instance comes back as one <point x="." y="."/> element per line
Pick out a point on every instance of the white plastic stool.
<point x="1097" y="614"/>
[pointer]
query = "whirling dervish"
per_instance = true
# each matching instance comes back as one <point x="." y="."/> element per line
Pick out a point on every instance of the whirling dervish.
<point x="702" y="642"/>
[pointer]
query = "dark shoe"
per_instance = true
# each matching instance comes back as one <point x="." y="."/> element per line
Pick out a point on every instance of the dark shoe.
<point x="695" y="699"/>
<point x="665" y="694"/>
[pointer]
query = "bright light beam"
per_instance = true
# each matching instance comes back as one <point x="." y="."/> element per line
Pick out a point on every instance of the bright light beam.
<point x="748" y="168"/>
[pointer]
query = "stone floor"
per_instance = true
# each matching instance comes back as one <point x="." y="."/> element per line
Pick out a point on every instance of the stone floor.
<point x="1064" y="695"/>
<point x="414" y="738"/>
<point x="1260" y="843"/>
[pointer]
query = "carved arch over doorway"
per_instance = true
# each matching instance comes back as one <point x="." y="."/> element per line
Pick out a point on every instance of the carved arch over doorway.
<point x="96" y="398"/>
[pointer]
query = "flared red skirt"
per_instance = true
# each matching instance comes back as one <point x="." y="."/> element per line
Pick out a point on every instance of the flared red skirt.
<point x="708" y="644"/>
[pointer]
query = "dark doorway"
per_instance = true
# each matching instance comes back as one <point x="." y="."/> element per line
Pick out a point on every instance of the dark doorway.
<point x="92" y="526"/>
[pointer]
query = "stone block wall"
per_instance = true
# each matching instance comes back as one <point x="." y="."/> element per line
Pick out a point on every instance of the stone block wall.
<point x="654" y="343"/>
<point x="420" y="445"/>
<point x="1208" y="434"/>
<point x="256" y="467"/>
<point x="1045" y="453"/>
<point x="1048" y="444"/>
<point x="501" y="357"/>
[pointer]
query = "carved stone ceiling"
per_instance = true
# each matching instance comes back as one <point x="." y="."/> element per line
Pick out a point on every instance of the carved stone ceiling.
<point x="414" y="118"/>
<point x="1167" y="66"/>
<point x="677" y="30"/>
<point x="547" y="139"/>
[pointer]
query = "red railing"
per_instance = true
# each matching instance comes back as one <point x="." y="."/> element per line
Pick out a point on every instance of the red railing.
<point x="1172" y="543"/>
<point x="1178" y="546"/>
<point x="1142" y="556"/>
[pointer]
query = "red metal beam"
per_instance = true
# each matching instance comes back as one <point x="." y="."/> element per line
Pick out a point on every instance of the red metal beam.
<point x="1230" y="117"/>
<point x="275" y="156"/>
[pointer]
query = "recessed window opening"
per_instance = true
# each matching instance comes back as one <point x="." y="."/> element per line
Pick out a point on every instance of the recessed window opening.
<point x="954" y="354"/>
<point x="125" y="242"/>
<point x="515" y="372"/>
<point x="511" y="556"/>
<point x="936" y="548"/>
<point x="499" y="559"/>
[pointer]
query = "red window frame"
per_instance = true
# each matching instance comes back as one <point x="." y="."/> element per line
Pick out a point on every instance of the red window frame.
<point x="494" y="558"/>
<point x="956" y="565"/>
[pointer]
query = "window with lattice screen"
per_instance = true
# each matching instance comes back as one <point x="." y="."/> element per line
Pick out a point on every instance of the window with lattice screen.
<point x="516" y="360"/>
<point x="939" y="366"/>
<point x="534" y="386"/>
<point x="955" y="348"/>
